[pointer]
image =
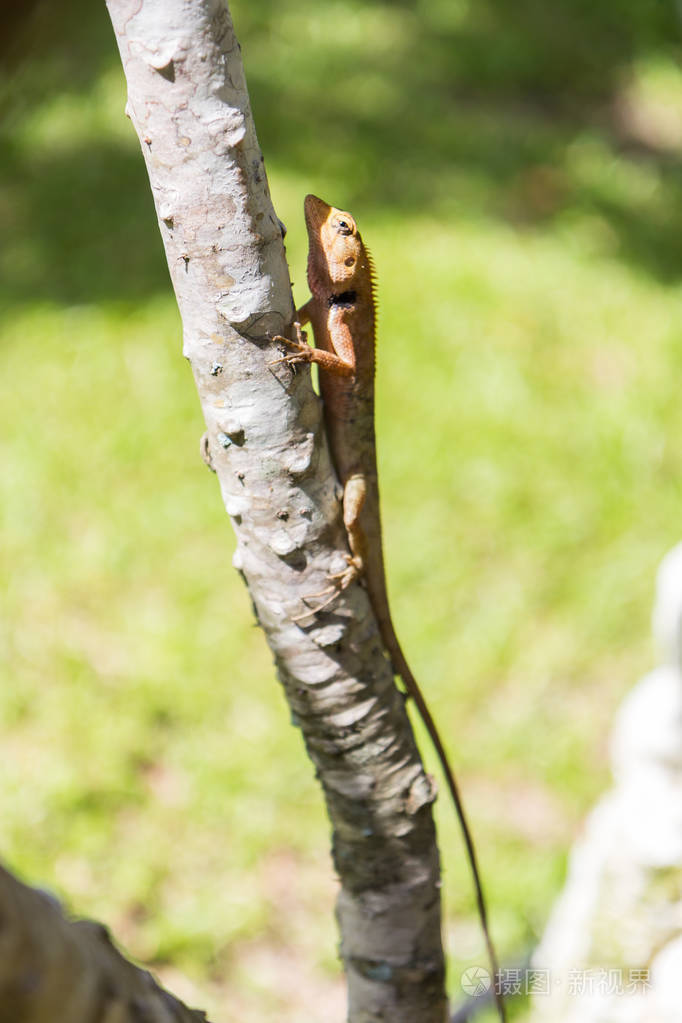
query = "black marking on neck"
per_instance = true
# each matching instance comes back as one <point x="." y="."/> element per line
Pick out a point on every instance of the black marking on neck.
<point x="344" y="298"/>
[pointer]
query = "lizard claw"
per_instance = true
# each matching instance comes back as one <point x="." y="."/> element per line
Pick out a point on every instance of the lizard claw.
<point x="301" y="352"/>
<point x="333" y="592"/>
<point x="340" y="580"/>
<point x="301" y="336"/>
<point x="350" y="573"/>
<point x="285" y="358"/>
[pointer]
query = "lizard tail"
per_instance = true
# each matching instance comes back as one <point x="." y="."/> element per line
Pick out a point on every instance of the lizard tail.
<point x="401" y="668"/>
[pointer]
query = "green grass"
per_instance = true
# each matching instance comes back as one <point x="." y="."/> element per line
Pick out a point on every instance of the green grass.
<point x="529" y="423"/>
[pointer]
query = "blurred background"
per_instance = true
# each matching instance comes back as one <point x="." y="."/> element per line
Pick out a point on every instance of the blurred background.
<point x="516" y="172"/>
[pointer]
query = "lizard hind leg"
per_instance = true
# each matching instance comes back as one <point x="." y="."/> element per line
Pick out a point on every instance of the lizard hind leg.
<point x="354" y="494"/>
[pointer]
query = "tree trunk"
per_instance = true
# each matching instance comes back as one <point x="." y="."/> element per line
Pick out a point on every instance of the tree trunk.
<point x="188" y="102"/>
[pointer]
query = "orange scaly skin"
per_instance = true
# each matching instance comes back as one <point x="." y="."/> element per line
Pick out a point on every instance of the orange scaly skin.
<point x="342" y="313"/>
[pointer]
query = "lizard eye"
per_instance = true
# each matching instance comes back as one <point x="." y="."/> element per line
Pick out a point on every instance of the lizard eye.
<point x="343" y="227"/>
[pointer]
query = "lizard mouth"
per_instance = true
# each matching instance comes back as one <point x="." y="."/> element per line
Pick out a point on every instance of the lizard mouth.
<point x="316" y="211"/>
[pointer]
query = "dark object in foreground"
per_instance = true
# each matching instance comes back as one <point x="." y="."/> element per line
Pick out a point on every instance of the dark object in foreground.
<point x="70" y="971"/>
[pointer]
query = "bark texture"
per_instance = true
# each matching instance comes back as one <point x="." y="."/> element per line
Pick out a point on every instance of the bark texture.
<point x="54" y="970"/>
<point x="188" y="102"/>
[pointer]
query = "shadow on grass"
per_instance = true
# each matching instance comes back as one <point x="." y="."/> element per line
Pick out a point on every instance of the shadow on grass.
<point x="82" y="228"/>
<point x="77" y="219"/>
<point x="438" y="107"/>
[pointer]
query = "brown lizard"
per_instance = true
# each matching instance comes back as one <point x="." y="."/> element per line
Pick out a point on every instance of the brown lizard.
<point x="342" y="313"/>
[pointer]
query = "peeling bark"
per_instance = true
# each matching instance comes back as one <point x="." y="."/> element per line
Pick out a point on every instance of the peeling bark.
<point x="188" y="102"/>
<point x="54" y="970"/>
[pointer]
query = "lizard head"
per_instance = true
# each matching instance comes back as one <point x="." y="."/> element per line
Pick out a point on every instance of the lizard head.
<point x="337" y="258"/>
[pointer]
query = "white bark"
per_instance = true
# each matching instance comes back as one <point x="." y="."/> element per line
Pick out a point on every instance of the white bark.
<point x="188" y="102"/>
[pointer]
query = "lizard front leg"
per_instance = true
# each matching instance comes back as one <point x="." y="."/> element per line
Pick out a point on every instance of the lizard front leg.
<point x="340" y="362"/>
